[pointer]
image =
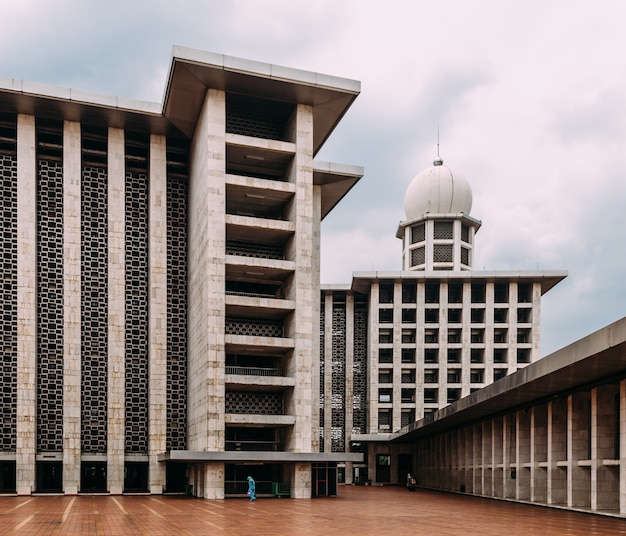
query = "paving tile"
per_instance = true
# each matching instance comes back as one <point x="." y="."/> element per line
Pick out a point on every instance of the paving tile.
<point x="357" y="510"/>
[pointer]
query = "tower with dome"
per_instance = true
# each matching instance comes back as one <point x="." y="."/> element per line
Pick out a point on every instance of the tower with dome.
<point x="397" y="346"/>
<point x="438" y="233"/>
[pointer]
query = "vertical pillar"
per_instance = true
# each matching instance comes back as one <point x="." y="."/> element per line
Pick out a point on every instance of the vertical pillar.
<point x="26" y="304"/>
<point x="117" y="309"/>
<point x="72" y="171"/>
<point x="207" y="243"/>
<point x="157" y="255"/>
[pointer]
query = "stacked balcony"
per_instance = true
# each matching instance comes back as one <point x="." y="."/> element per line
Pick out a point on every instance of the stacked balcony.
<point x="259" y="273"/>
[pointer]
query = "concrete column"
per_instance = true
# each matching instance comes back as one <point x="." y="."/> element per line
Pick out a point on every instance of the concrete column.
<point x="305" y="288"/>
<point x="157" y="255"/>
<point x="301" y="481"/>
<point x="26" y="304"/>
<point x="72" y="172"/>
<point x="206" y="301"/>
<point x="212" y="481"/>
<point x="622" y="447"/>
<point x="117" y="309"/>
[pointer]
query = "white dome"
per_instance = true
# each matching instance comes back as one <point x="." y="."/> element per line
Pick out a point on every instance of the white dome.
<point x="437" y="190"/>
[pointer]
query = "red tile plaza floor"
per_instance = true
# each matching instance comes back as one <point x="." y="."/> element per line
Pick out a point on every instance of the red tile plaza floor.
<point x="357" y="510"/>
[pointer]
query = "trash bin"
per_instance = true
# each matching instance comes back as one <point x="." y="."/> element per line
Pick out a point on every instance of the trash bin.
<point x="189" y="490"/>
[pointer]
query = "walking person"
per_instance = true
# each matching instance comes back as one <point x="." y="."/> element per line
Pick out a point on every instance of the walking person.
<point x="251" y="488"/>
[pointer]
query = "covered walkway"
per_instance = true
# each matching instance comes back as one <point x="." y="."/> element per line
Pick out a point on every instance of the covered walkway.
<point x="357" y="510"/>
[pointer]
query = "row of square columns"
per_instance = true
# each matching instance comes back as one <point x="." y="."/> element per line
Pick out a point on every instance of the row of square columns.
<point x="567" y="452"/>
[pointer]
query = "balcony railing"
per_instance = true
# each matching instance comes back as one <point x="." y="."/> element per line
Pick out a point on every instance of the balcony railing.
<point x="254" y="446"/>
<point x="252" y="371"/>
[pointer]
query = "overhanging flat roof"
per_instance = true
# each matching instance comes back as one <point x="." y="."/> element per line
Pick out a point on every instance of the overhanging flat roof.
<point x="361" y="281"/>
<point x="190" y="456"/>
<point x="192" y="72"/>
<point x="597" y="358"/>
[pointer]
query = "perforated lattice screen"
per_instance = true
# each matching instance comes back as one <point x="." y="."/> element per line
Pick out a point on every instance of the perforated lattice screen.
<point x="444" y="230"/>
<point x="94" y="309"/>
<point x="176" y="314"/>
<point x="443" y="253"/>
<point x="136" y="284"/>
<point x="254" y="327"/>
<point x="359" y="374"/>
<point x="257" y="117"/>
<point x="250" y="249"/>
<point x="50" y="306"/>
<point x="8" y="302"/>
<point x="418" y="256"/>
<point x="418" y="233"/>
<point x="338" y="379"/>
<point x="254" y="403"/>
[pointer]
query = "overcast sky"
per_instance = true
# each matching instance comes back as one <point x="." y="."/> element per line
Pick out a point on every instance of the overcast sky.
<point x="529" y="97"/>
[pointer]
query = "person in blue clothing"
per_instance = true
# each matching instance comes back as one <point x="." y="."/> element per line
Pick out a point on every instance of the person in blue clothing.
<point x="251" y="488"/>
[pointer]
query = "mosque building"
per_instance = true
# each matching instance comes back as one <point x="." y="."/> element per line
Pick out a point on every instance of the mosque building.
<point x="165" y="331"/>
<point x="425" y="336"/>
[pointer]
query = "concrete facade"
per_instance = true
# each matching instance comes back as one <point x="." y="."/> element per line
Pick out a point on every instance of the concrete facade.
<point x="162" y="279"/>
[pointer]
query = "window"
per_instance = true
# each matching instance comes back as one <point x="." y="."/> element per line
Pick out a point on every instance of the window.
<point x="523" y="355"/>
<point x="454" y="375"/>
<point x="384" y="396"/>
<point x="385" y="316"/>
<point x="499" y="355"/>
<point x="431" y="316"/>
<point x="409" y="293"/>
<point x="418" y="256"/>
<point x="408" y="376"/>
<point x="418" y="233"/>
<point x="465" y="256"/>
<point x="430" y="395"/>
<point x="444" y="230"/>
<point x="498" y="374"/>
<point x="465" y="233"/>
<point x="455" y="293"/>
<point x="524" y="293"/>
<point x="477" y="355"/>
<point x="385" y="376"/>
<point x="454" y="356"/>
<point x="407" y="417"/>
<point x="454" y="316"/>
<point x="431" y="376"/>
<point x="385" y="293"/>
<point x="385" y="336"/>
<point x="408" y="355"/>
<point x="500" y="335"/>
<point x="384" y="420"/>
<point x="408" y="336"/>
<point x="478" y="335"/>
<point x="523" y="316"/>
<point x="385" y="355"/>
<point x="431" y="335"/>
<point x="477" y="375"/>
<point x="523" y="335"/>
<point x="478" y="316"/>
<point x="442" y="253"/>
<point x="454" y="336"/>
<point x="500" y="316"/>
<point x="408" y="316"/>
<point x="407" y="396"/>
<point x="501" y="292"/>
<point x="432" y="292"/>
<point x="478" y="292"/>
<point x="431" y="356"/>
<point x="453" y="395"/>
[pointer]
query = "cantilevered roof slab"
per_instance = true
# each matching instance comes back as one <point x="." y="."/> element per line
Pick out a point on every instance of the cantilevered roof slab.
<point x="192" y="72"/>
